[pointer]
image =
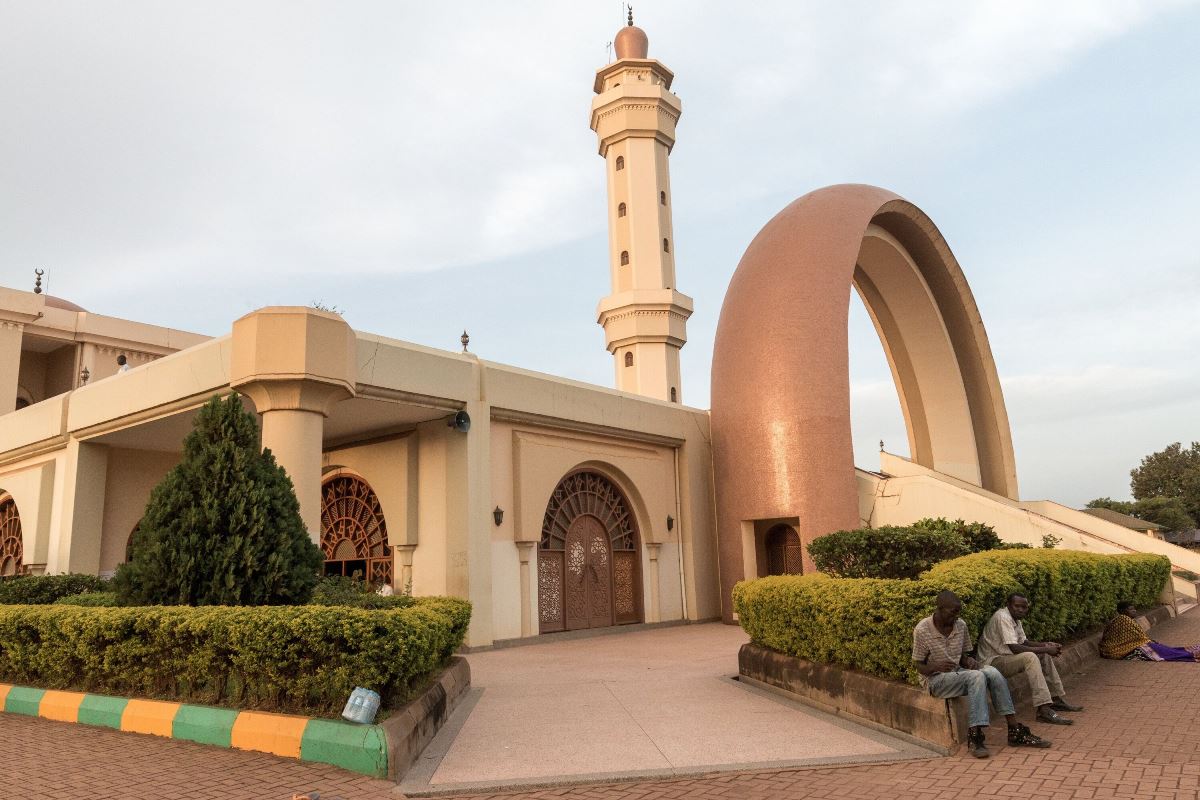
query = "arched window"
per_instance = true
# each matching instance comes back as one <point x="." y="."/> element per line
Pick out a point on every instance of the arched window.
<point x="628" y="359"/>
<point x="353" y="530"/>
<point x="11" y="550"/>
<point x="662" y="198"/>
<point x="666" y="246"/>
<point x="624" y="258"/>
<point x="620" y="162"/>
<point x="621" y="210"/>
<point x="132" y="542"/>
<point x="674" y="396"/>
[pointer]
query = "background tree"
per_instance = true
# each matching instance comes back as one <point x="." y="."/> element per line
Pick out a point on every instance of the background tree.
<point x="1171" y="472"/>
<point x="223" y="527"/>
<point x="1170" y="512"/>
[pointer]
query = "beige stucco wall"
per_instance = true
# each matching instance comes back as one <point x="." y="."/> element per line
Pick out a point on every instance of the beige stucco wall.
<point x="131" y="475"/>
<point x="31" y="484"/>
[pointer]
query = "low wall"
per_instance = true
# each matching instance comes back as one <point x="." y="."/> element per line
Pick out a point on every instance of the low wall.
<point x="897" y="707"/>
<point x="413" y="727"/>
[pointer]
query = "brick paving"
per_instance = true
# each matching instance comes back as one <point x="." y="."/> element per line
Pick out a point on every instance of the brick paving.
<point x="1136" y="740"/>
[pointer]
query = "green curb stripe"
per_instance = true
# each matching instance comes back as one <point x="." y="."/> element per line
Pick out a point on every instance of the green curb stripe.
<point x="98" y="709"/>
<point x="204" y="724"/>
<point x="23" y="700"/>
<point x="359" y="748"/>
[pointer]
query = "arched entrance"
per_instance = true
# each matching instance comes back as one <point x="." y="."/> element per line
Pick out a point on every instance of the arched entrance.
<point x="353" y="530"/>
<point x="589" y="570"/>
<point x="785" y="554"/>
<point x="11" y="549"/>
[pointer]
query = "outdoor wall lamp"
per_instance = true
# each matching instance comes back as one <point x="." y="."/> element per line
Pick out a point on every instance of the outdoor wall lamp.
<point x="498" y="515"/>
<point x="670" y="522"/>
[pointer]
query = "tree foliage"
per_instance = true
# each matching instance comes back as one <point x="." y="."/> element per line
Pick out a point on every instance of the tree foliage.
<point x="1170" y="512"/>
<point x="223" y="527"/>
<point x="1173" y="472"/>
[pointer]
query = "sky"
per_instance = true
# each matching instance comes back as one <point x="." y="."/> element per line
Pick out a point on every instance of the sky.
<point x="427" y="168"/>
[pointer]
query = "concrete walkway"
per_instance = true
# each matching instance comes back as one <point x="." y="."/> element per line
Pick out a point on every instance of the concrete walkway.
<point x="650" y="703"/>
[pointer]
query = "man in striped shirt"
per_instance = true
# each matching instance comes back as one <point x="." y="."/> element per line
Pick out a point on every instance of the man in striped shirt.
<point x="941" y="643"/>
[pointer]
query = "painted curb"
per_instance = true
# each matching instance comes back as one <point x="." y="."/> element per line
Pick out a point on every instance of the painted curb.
<point x="358" y="748"/>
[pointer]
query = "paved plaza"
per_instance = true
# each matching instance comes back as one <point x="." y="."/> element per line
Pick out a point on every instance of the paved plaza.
<point x="1137" y="739"/>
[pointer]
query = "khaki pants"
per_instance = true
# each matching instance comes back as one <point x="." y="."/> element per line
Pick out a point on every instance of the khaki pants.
<point x="1039" y="671"/>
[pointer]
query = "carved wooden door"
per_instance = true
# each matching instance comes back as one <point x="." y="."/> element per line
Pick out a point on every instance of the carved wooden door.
<point x="588" y="568"/>
<point x="589" y="575"/>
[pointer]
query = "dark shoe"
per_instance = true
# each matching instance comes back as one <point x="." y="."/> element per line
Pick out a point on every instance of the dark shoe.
<point x="975" y="743"/>
<point x="1046" y="714"/>
<point x="1060" y="704"/>
<point x="1021" y="736"/>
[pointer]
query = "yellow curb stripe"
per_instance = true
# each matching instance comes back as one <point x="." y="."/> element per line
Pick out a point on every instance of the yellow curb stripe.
<point x="149" y="716"/>
<point x="61" y="706"/>
<point x="4" y="687"/>
<point x="268" y="733"/>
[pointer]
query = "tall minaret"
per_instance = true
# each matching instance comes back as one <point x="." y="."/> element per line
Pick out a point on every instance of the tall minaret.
<point x="645" y="319"/>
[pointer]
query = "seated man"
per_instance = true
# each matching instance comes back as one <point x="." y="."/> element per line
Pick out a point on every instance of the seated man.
<point x="1003" y="645"/>
<point x="940" y="645"/>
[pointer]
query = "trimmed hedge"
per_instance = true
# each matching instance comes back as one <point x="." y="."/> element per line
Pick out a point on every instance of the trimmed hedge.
<point x="337" y="590"/>
<point x="90" y="600"/>
<point x="885" y="552"/>
<point x="867" y="623"/>
<point x="296" y="659"/>
<point x="38" y="590"/>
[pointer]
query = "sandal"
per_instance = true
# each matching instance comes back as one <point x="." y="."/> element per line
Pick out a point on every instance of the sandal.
<point x="1020" y="736"/>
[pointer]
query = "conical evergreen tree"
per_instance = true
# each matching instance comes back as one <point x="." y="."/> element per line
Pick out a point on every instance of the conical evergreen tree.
<point x="223" y="527"/>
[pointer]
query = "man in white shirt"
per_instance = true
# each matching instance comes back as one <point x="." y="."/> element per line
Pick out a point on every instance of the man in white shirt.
<point x="1003" y="645"/>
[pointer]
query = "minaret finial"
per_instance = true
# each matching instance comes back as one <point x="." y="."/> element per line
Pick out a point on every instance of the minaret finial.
<point x="630" y="17"/>
<point x="37" y="284"/>
<point x="466" y="340"/>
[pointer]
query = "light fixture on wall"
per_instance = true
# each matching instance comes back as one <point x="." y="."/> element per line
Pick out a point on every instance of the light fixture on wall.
<point x="670" y="522"/>
<point x="498" y="515"/>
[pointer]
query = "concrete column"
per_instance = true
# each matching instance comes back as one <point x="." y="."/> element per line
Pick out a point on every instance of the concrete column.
<point x="296" y="364"/>
<point x="11" y="334"/>
<point x="526" y="551"/>
<point x="295" y="437"/>
<point x="404" y="555"/>
<point x="75" y="544"/>
<point x="653" y="614"/>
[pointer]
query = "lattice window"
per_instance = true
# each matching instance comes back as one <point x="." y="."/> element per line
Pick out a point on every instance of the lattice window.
<point x="588" y="493"/>
<point x="11" y="550"/>
<point x="354" y="531"/>
<point x="785" y="554"/>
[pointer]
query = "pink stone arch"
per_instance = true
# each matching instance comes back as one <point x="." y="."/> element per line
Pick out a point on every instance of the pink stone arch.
<point x="780" y="375"/>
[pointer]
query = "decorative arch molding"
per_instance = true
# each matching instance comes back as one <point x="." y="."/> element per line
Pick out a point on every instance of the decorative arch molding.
<point x="589" y="555"/>
<point x="780" y="374"/>
<point x="11" y="546"/>
<point x="353" y="528"/>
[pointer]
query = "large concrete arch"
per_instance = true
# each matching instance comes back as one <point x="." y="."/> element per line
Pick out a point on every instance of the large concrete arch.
<point x="780" y="375"/>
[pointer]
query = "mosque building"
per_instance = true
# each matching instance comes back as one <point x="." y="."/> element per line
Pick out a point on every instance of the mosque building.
<point x="554" y="505"/>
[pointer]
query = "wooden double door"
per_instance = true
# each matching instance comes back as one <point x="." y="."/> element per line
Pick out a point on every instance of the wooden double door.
<point x="588" y="575"/>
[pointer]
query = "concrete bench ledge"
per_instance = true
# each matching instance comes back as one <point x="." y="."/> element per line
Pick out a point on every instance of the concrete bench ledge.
<point x="387" y="749"/>
<point x="898" y="708"/>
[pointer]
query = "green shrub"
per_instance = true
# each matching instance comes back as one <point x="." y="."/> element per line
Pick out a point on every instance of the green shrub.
<point x="37" y="590"/>
<point x="978" y="536"/>
<point x="885" y="552"/>
<point x="296" y="659"/>
<point x="223" y="527"/>
<point x="867" y="624"/>
<point x="89" y="599"/>
<point x="338" y="590"/>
